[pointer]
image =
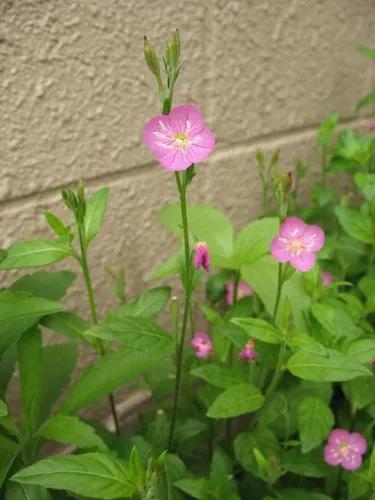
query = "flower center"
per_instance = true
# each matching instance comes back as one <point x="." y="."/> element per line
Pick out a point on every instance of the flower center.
<point x="181" y="142"/>
<point x="296" y="247"/>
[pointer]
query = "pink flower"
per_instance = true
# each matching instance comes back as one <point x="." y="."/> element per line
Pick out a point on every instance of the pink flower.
<point x="179" y="139"/>
<point x="243" y="291"/>
<point x="202" y="345"/>
<point x="345" y="449"/>
<point x="371" y="127"/>
<point x="248" y="353"/>
<point x="201" y="256"/>
<point x="327" y="277"/>
<point x="297" y="243"/>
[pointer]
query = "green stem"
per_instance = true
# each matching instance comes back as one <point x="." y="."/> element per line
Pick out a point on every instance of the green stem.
<point x="187" y="289"/>
<point x="323" y="164"/>
<point x="90" y="295"/>
<point x="278" y="293"/>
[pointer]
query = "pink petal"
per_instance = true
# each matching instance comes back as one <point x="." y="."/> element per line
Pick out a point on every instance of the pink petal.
<point x="303" y="262"/>
<point x="351" y="461"/>
<point x="230" y="291"/>
<point x="292" y="228"/>
<point x="154" y="131"/>
<point x="201" y="146"/>
<point x="313" y="237"/>
<point x="338" y="436"/>
<point x="278" y="250"/>
<point x="244" y="289"/>
<point x="186" y="118"/>
<point x="173" y="159"/>
<point x="331" y="455"/>
<point x="357" y="443"/>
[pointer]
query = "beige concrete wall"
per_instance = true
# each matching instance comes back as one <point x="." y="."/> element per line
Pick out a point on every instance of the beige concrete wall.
<point x="75" y="94"/>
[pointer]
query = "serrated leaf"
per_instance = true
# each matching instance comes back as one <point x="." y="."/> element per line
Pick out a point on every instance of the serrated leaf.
<point x="315" y="420"/>
<point x="336" y="367"/>
<point x="259" y="329"/>
<point x="95" y="210"/>
<point x="237" y="400"/>
<point x="134" y="332"/>
<point x="71" y="430"/>
<point x="34" y="253"/>
<point x="46" y="284"/>
<point x="95" y="475"/>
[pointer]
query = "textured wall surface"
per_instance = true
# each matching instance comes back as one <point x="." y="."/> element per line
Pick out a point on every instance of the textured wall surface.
<point x="75" y="94"/>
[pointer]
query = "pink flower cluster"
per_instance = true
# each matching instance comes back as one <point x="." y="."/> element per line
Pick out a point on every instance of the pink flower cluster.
<point x="248" y="353"/>
<point x="345" y="449"/>
<point x="202" y="345"/>
<point x="297" y="243"/>
<point x="179" y="139"/>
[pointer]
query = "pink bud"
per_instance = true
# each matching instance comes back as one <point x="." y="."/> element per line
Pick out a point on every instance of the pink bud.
<point x="327" y="277"/>
<point x="202" y="345"/>
<point x="248" y="353"/>
<point x="371" y="127"/>
<point x="202" y="257"/>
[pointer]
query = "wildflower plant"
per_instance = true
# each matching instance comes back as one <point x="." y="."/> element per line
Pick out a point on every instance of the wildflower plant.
<point x="264" y="388"/>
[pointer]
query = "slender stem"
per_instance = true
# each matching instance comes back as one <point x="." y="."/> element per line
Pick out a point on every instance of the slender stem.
<point x="187" y="289"/>
<point x="323" y="164"/>
<point x="236" y="283"/>
<point x="90" y="294"/>
<point x="278" y="293"/>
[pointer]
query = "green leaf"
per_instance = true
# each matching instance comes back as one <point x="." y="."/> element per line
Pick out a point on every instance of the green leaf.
<point x="59" y="363"/>
<point x="168" y="268"/>
<point x="95" y="209"/>
<point x="327" y="128"/>
<point x="336" y="367"/>
<point x="195" y="488"/>
<point x="146" y="305"/>
<point x="136" y="470"/>
<point x="371" y="471"/>
<point x="315" y="420"/>
<point x="71" y="430"/>
<point x="189" y="428"/>
<point x="259" y="329"/>
<point x="46" y="284"/>
<point x="111" y="371"/>
<point x="206" y="224"/>
<point x="35" y="253"/>
<point x="304" y="342"/>
<point x="9" y="451"/>
<point x="56" y="224"/>
<point x="366" y="183"/>
<point x="18" y="312"/>
<point x="367" y="100"/>
<point x="68" y="324"/>
<point x="237" y="400"/>
<point x="298" y="494"/>
<point x="30" y="359"/>
<point x="362" y="350"/>
<point x="254" y="241"/>
<point x="218" y="375"/>
<point x="134" y="332"/>
<point x="95" y="475"/>
<point x="221" y="464"/>
<point x="356" y="224"/>
<point x="309" y="464"/>
<point x="367" y="51"/>
<point x="3" y="255"/>
<point x="3" y="409"/>
<point x="262" y="276"/>
<point x="7" y="362"/>
<point x="16" y="491"/>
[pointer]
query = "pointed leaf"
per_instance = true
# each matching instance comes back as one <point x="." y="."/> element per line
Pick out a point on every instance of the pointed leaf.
<point x="95" y="475"/>
<point x="35" y="253"/>
<point x="46" y="284"/>
<point x="68" y="324"/>
<point x="315" y="420"/>
<point x="95" y="210"/>
<point x="237" y="400"/>
<point x="259" y="329"/>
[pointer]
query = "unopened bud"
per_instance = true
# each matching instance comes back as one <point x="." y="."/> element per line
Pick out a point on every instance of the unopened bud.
<point x="175" y="49"/>
<point x="151" y="57"/>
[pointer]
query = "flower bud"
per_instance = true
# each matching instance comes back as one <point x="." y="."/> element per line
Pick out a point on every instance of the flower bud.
<point x="202" y="257"/>
<point x="175" y="49"/>
<point x="151" y="57"/>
